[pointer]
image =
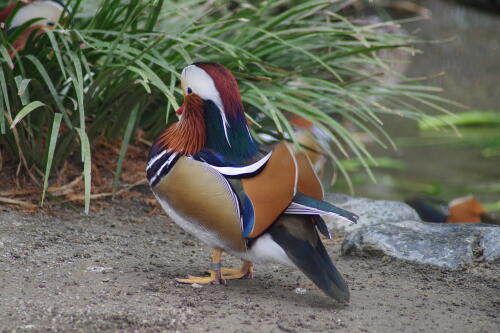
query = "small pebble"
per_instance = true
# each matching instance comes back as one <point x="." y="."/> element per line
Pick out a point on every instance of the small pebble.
<point x="300" y="291"/>
<point x="196" y="285"/>
<point x="98" y="269"/>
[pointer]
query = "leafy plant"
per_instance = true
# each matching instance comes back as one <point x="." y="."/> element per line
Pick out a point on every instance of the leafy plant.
<point x="114" y="69"/>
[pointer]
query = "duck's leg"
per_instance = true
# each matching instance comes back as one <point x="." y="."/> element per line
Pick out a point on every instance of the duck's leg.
<point x="214" y="271"/>
<point x="246" y="271"/>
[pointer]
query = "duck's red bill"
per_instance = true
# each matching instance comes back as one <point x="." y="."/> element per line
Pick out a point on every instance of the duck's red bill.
<point x="181" y="109"/>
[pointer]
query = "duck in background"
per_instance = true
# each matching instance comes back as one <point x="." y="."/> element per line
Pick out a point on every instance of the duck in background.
<point x="314" y="141"/>
<point x="461" y="210"/>
<point x="48" y="12"/>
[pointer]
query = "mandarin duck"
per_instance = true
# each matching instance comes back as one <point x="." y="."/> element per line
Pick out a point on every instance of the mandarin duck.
<point x="217" y="183"/>
<point x="47" y="11"/>
<point x="460" y="210"/>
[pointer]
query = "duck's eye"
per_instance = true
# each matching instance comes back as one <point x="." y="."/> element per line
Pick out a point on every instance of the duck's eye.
<point x="190" y="90"/>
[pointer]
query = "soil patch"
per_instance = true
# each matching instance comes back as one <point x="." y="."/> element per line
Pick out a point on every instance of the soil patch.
<point x="114" y="270"/>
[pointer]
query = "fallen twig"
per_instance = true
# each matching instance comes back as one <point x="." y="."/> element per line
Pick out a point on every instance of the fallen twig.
<point x="17" y="202"/>
<point x="107" y="194"/>
<point x="65" y="189"/>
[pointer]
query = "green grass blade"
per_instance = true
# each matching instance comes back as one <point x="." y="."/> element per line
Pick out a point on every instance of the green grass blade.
<point x="5" y="92"/>
<point x="22" y="89"/>
<point x="87" y="163"/>
<point x="2" y="117"/>
<point x="50" y="86"/>
<point x="57" y="52"/>
<point x="123" y="149"/>
<point x="5" y="56"/>
<point x="56" y="123"/>
<point x="25" y="111"/>
<point x="78" y="85"/>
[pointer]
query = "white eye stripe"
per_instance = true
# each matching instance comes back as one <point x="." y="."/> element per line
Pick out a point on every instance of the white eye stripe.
<point x="201" y="84"/>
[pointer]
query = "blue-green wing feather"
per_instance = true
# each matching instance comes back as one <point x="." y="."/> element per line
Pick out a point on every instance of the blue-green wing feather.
<point x="304" y="204"/>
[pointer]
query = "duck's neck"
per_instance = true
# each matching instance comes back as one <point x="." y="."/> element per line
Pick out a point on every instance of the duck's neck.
<point x="229" y="137"/>
<point x="202" y="127"/>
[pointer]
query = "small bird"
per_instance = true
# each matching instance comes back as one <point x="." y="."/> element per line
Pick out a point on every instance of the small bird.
<point x="47" y="11"/>
<point x="260" y="204"/>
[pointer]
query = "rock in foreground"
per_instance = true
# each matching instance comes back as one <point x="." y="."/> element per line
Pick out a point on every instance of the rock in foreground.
<point x="394" y="229"/>
<point x="445" y="245"/>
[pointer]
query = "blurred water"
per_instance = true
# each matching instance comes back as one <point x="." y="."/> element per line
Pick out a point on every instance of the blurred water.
<point x="466" y="47"/>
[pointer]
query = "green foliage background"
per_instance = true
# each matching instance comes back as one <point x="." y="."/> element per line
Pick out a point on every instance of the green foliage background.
<point x="113" y="67"/>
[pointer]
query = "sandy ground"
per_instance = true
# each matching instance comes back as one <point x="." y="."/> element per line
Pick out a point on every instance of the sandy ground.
<point x="114" y="271"/>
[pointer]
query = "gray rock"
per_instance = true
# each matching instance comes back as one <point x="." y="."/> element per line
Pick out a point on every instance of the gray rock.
<point x="490" y="244"/>
<point x="370" y="212"/>
<point x="445" y="245"/>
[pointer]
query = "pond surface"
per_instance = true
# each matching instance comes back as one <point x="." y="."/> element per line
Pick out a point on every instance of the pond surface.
<point x="465" y="45"/>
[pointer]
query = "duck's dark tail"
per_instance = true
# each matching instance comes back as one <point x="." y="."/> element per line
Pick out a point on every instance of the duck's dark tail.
<point x="298" y="237"/>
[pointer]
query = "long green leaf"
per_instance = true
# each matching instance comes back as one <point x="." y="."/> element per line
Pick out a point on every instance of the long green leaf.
<point x="87" y="163"/>
<point x="26" y="111"/>
<point x="56" y="123"/>
<point x="123" y="149"/>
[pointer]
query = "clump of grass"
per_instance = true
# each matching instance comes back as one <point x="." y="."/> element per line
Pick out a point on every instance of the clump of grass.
<point x="113" y="69"/>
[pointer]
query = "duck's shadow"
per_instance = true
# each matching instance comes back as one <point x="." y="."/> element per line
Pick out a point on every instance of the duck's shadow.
<point x="262" y="288"/>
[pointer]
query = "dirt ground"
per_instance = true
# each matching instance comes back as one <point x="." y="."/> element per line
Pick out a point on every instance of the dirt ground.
<point x="114" y="271"/>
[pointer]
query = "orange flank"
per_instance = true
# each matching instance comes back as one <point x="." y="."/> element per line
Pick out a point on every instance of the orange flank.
<point x="272" y="190"/>
<point x="308" y="182"/>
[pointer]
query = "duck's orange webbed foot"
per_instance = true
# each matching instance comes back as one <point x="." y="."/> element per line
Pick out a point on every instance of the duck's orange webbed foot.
<point x="214" y="271"/>
<point x="246" y="272"/>
<point x="214" y="278"/>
